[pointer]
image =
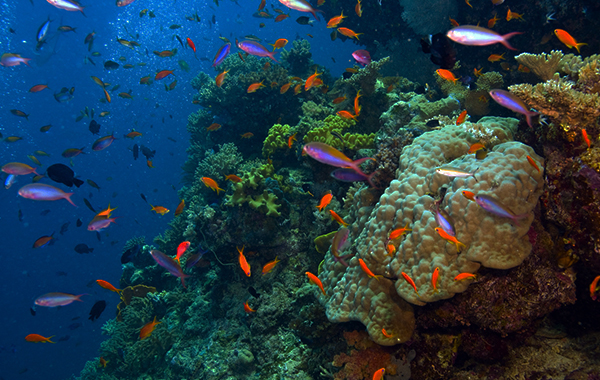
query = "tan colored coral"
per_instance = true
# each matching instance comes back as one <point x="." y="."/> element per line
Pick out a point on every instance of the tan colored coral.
<point x="543" y="65"/>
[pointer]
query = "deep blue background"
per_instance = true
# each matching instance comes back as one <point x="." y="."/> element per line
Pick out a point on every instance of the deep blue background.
<point x="28" y="273"/>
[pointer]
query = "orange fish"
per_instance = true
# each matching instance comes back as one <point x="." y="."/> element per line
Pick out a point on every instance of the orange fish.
<point x="391" y="249"/>
<point x="262" y="5"/>
<point x="461" y="118"/>
<point x="180" y="207"/>
<point x="567" y="39"/>
<point x="38" y="88"/>
<point x="395" y="234"/>
<point x="366" y="269"/>
<point x="209" y="182"/>
<point x="464" y="276"/>
<point x="358" y="9"/>
<point x="247" y="135"/>
<point x="453" y="22"/>
<point x="475" y="147"/>
<point x="351" y="70"/>
<point x="315" y="280"/>
<point x="450" y="238"/>
<point x="356" y="105"/>
<point x="337" y="218"/>
<point x="585" y="137"/>
<point x="281" y="17"/>
<point x="339" y="100"/>
<point x="106" y="212"/>
<point x="320" y="2"/>
<point x="285" y="87"/>
<point x="378" y="375"/>
<point x="496" y="57"/>
<point x="148" y="329"/>
<point x="594" y="287"/>
<point x="243" y="263"/>
<point x="149" y="164"/>
<point x="335" y="21"/>
<point x="266" y="67"/>
<point x="390" y="88"/>
<point x="523" y="69"/>
<point x="410" y="281"/>
<point x="469" y="195"/>
<point x="291" y="140"/>
<point x="103" y="362"/>
<point x="269" y="266"/>
<point x="325" y="201"/>
<point x="233" y="178"/>
<point x="434" y="278"/>
<point x="107" y="285"/>
<point x="221" y="77"/>
<point x="107" y="95"/>
<point x="133" y="134"/>
<point x="255" y="86"/>
<point x="447" y="75"/>
<point x="241" y="57"/>
<point x="478" y="73"/>
<point x="310" y="81"/>
<point x="43" y="241"/>
<point x="162" y="74"/>
<point x="181" y="249"/>
<point x="492" y="22"/>
<point x="532" y="163"/>
<point x="213" y="127"/>
<point x="298" y="89"/>
<point x="248" y="309"/>
<point x="279" y="43"/>
<point x="346" y="115"/>
<point x="386" y="334"/>
<point x="468" y="2"/>
<point x="36" y="338"/>
<point x="349" y="33"/>
<point x="160" y="209"/>
<point x="510" y="15"/>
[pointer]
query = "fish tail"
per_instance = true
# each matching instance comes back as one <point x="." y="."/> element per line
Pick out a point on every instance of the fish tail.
<point x="505" y="38"/>
<point x="528" y="116"/>
<point x="273" y="58"/>
<point x="68" y="198"/>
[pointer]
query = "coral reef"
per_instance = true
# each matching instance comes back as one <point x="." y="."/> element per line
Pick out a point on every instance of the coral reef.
<point x="543" y="65"/>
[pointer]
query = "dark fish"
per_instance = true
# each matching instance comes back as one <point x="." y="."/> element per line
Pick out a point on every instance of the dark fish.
<point x="97" y="310"/>
<point x="64" y="228"/>
<point x="11" y="30"/>
<point x="143" y="197"/>
<point x="83" y="248"/>
<point x="88" y="204"/>
<point x="194" y="259"/>
<point x="63" y="174"/>
<point x="20" y="215"/>
<point x="147" y="152"/>
<point x="93" y="184"/>
<point x="333" y="36"/>
<point x="171" y="139"/>
<point x="44" y="213"/>
<point x="74" y="326"/>
<point x="303" y="20"/>
<point x="79" y="223"/>
<point x="32" y="311"/>
<point x="98" y="236"/>
<point x="94" y="127"/>
<point x="113" y="243"/>
<point x="179" y="39"/>
<point x="441" y="49"/>
<point x="64" y="338"/>
<point x="175" y="26"/>
<point x="136" y="151"/>
<point x="433" y="123"/>
<point x="111" y="65"/>
<point x="253" y="292"/>
<point x="129" y="255"/>
<point x="64" y="95"/>
<point x="61" y="273"/>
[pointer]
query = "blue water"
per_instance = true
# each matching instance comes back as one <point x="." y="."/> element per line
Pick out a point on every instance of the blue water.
<point x="28" y="273"/>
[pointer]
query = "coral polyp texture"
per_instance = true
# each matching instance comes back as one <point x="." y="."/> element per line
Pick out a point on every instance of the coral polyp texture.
<point x="505" y="175"/>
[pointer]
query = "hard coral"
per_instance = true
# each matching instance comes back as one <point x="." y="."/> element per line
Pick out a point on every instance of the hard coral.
<point x="365" y="360"/>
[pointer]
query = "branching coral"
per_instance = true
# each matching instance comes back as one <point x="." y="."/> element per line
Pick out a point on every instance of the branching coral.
<point x="543" y="65"/>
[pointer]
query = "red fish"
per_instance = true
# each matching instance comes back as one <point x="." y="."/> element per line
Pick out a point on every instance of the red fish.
<point x="57" y="299"/>
<point x="43" y="192"/>
<point x="585" y="137"/>
<point x="108" y="286"/>
<point x="243" y="262"/>
<point x="43" y="241"/>
<point x="17" y="168"/>
<point x="181" y="249"/>
<point x="315" y="280"/>
<point x="36" y="338"/>
<point x="38" y="88"/>
<point x="148" y="329"/>
<point x="163" y="74"/>
<point x="325" y="201"/>
<point x="269" y="266"/>
<point x="248" y="309"/>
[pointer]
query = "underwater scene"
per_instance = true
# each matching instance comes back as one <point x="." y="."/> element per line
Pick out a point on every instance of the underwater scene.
<point x="300" y="189"/>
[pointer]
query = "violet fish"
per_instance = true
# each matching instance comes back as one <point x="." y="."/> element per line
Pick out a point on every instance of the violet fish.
<point x="57" y="299"/>
<point x="302" y="6"/>
<point x="349" y="175"/>
<point x="42" y="192"/>
<point x="327" y="154"/>
<point x="477" y="36"/>
<point x="67" y="5"/>
<point x="497" y="208"/>
<point x="339" y="243"/>
<point x="221" y="54"/>
<point x="254" y="48"/>
<point x="513" y="103"/>
<point x="9" y="59"/>
<point x="362" y="57"/>
<point x="169" y="264"/>
<point x="103" y="142"/>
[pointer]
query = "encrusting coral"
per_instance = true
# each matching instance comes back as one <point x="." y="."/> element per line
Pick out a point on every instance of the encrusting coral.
<point x="492" y="241"/>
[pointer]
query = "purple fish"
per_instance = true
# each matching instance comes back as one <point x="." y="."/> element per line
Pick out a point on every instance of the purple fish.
<point x="340" y="241"/>
<point x="103" y="142"/>
<point x="169" y="264"/>
<point x="254" y="48"/>
<point x="9" y="59"/>
<point x="42" y="192"/>
<point x="329" y="155"/>
<point x="477" y="36"/>
<point x="194" y="259"/>
<point x="495" y="207"/>
<point x="444" y="220"/>
<point x="221" y="54"/>
<point x="513" y="103"/>
<point x="362" y="56"/>
<point x="57" y="299"/>
<point x="349" y="175"/>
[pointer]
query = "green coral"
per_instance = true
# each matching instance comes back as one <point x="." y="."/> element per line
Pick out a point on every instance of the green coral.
<point x="276" y="139"/>
<point x="323" y="133"/>
<point x="246" y="191"/>
<point x="356" y="141"/>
